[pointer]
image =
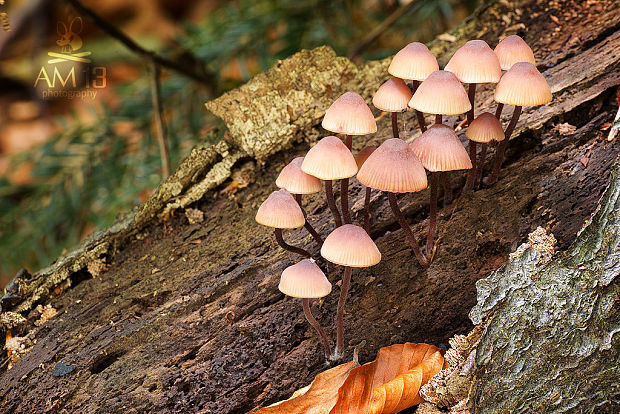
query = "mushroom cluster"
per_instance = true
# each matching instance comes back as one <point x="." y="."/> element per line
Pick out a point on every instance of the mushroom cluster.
<point x="397" y="166"/>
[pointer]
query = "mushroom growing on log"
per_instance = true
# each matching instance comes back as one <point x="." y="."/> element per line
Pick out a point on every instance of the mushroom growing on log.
<point x="414" y="63"/>
<point x="521" y="86"/>
<point x="330" y="160"/>
<point x="394" y="168"/>
<point x="439" y="150"/>
<point x="305" y="280"/>
<point x="281" y="211"/>
<point x="349" y="115"/>
<point x="297" y="182"/>
<point x="393" y="96"/>
<point x="349" y="246"/>
<point x="474" y="63"/>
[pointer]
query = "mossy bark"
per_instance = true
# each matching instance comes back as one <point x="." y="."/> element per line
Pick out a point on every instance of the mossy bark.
<point x="551" y="341"/>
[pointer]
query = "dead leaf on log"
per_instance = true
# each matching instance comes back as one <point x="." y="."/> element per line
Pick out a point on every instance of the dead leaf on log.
<point x="317" y="398"/>
<point x="387" y="385"/>
<point x="391" y="382"/>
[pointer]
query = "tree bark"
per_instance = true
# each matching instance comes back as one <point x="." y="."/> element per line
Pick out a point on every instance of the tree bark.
<point x="554" y="323"/>
<point x="157" y="314"/>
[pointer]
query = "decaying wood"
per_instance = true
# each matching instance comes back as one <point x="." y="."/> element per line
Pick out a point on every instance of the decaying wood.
<point x="160" y="314"/>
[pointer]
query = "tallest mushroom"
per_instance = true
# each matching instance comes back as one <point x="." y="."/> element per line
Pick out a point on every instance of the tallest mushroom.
<point x="474" y="63"/>
<point x="349" y="115"/>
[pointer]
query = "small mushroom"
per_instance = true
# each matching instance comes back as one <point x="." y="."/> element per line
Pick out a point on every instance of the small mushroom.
<point x="297" y="182"/>
<point x="441" y="94"/>
<point x="512" y="50"/>
<point x="360" y="159"/>
<point x="484" y="129"/>
<point x="349" y="246"/>
<point x="439" y="150"/>
<point x="521" y="86"/>
<point x="330" y="160"/>
<point x="394" y="168"/>
<point x="474" y="63"/>
<point x="306" y="281"/>
<point x="281" y="211"/>
<point x="349" y="115"/>
<point x="415" y="63"/>
<point x="393" y="96"/>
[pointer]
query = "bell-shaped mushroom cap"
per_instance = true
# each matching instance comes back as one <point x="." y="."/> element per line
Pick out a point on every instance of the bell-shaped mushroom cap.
<point x="512" y="50"/>
<point x="329" y="159"/>
<point x="413" y="62"/>
<point x="392" y="96"/>
<point x="350" y="245"/>
<point x="475" y="62"/>
<point x="350" y="115"/>
<point x="393" y="167"/>
<point x="280" y="211"/>
<point x="485" y="128"/>
<point x="523" y="85"/>
<point x="363" y="155"/>
<point x="439" y="149"/>
<point x="295" y="181"/>
<point x="441" y="93"/>
<point x="304" y="280"/>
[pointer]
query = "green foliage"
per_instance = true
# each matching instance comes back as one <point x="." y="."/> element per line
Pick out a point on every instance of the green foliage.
<point x="248" y="31"/>
<point x="89" y="173"/>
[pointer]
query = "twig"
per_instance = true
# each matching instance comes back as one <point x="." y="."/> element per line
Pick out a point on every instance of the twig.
<point x="613" y="131"/>
<point x="201" y="74"/>
<point x="382" y="27"/>
<point x="160" y="127"/>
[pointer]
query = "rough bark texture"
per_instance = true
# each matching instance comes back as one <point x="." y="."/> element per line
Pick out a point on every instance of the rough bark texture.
<point x="552" y="343"/>
<point x="163" y="314"/>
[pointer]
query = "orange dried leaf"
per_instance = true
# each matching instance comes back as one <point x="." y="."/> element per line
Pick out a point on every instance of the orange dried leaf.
<point x="387" y="385"/>
<point x="317" y="398"/>
<point x="391" y="382"/>
<point x="403" y="391"/>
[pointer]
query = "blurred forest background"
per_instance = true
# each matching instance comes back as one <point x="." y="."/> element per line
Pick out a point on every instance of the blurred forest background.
<point x="71" y="166"/>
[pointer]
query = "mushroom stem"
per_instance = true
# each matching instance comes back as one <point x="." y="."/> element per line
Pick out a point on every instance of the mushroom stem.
<point x="498" y="110"/>
<point x="501" y="148"/>
<point x="305" y="302"/>
<point x="315" y="235"/>
<point x="438" y="119"/>
<point x="447" y="188"/>
<point x="329" y="194"/>
<point x="344" y="188"/>
<point x="408" y="233"/>
<point x="367" y="210"/>
<point x="473" y="147"/>
<point x="432" y="217"/>
<point x="472" y="98"/>
<point x="344" y="290"/>
<point x="348" y="141"/>
<point x="473" y="172"/>
<point x="483" y="155"/>
<point x="344" y="200"/>
<point x="418" y="114"/>
<point x="288" y="247"/>
<point x="395" y="124"/>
